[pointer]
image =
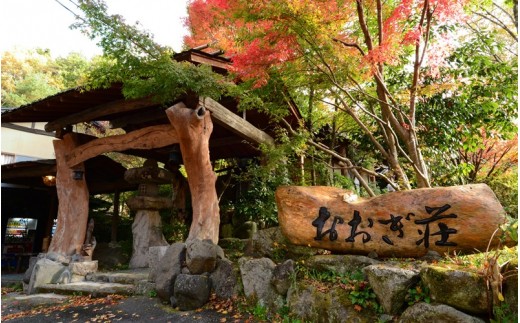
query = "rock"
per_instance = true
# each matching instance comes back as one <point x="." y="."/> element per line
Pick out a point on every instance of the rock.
<point x="391" y="285"/>
<point x="173" y="302"/>
<point x="45" y="271"/>
<point x="372" y="255"/>
<point x="224" y="279"/>
<point x="83" y="268"/>
<point x="168" y="269"/>
<point x="144" y="287"/>
<point x="151" y="203"/>
<point x="339" y="264"/>
<point x="281" y="279"/>
<point x="438" y="313"/>
<point x="431" y="256"/>
<point x="397" y="224"/>
<point x="220" y="252"/>
<point x="155" y="255"/>
<point x="191" y="291"/>
<point x="273" y="244"/>
<point x="264" y="242"/>
<point x="56" y="257"/>
<point x="201" y="256"/>
<point x="256" y="278"/>
<point x="462" y="290"/>
<point x="28" y="272"/>
<point x="310" y="305"/>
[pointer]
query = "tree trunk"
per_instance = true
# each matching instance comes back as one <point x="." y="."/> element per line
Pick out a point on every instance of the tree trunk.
<point x="194" y="128"/>
<point x="73" y="201"/>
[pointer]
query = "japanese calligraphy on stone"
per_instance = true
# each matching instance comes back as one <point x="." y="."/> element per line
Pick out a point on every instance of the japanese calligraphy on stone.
<point x="326" y="227"/>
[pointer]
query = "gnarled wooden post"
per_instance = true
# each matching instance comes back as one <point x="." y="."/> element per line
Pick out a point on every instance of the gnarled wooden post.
<point x="194" y="128"/>
<point x="73" y="199"/>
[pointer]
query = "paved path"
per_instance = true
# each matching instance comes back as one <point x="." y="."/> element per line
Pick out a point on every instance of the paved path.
<point x="54" y="308"/>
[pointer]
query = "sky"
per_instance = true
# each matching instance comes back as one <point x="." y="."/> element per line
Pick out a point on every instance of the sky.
<point x="29" y="24"/>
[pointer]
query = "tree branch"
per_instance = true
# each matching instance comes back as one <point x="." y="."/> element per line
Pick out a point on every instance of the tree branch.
<point x="335" y="155"/>
<point x="355" y="45"/>
<point x="363" y="24"/>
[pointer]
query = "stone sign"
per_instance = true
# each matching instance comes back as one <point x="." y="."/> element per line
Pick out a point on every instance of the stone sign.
<point x="398" y="224"/>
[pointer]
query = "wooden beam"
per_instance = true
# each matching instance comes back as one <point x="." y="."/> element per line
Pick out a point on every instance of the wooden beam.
<point x="145" y="116"/>
<point x="98" y="112"/>
<point x="215" y="62"/>
<point x="234" y="123"/>
<point x="225" y="141"/>
<point x="146" y="138"/>
<point x="26" y="129"/>
<point x="25" y="172"/>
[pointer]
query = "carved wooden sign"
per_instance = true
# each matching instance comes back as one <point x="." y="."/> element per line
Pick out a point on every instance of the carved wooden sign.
<point x="398" y="224"/>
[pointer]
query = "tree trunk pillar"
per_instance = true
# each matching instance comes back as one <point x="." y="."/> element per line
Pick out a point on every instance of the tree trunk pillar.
<point x="73" y="200"/>
<point x="194" y="129"/>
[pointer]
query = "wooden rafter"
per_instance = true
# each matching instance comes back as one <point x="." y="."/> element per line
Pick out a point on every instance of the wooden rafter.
<point x="99" y="111"/>
<point x="234" y="123"/>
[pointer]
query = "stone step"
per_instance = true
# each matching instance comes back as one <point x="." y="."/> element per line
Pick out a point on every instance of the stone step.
<point x="132" y="277"/>
<point x="96" y="289"/>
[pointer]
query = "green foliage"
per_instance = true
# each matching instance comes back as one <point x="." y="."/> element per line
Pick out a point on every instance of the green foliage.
<point x="131" y="56"/>
<point x="32" y="75"/>
<point x="505" y="187"/>
<point x="510" y="230"/>
<point x="364" y="296"/>
<point x="152" y="293"/>
<point x="257" y="201"/>
<point x="504" y="313"/>
<point x="480" y="92"/>
<point x="419" y="293"/>
<point x="174" y="229"/>
<point x="260" y="312"/>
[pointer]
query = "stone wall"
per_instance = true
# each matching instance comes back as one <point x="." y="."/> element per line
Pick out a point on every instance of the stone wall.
<point x="315" y="286"/>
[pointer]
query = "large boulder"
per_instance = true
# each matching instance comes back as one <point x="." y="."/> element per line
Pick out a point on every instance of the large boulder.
<point x="339" y="264"/>
<point x="309" y="304"/>
<point x="201" y="256"/>
<point x="190" y="292"/>
<point x="256" y="278"/>
<point x="462" y="290"/>
<point x="168" y="269"/>
<point x="224" y="279"/>
<point x="438" y="313"/>
<point x="391" y="285"/>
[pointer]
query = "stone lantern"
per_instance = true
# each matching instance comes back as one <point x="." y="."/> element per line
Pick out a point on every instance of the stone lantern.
<point x="147" y="227"/>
